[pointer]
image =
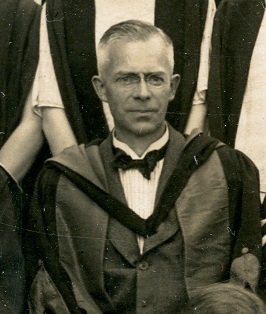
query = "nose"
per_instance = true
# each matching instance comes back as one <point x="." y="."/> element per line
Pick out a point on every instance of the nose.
<point x="142" y="91"/>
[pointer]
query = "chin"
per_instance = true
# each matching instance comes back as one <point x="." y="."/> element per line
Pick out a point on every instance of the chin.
<point x="146" y="129"/>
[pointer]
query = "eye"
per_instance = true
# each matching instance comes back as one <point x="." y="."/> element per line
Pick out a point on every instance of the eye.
<point x="155" y="80"/>
<point x="127" y="79"/>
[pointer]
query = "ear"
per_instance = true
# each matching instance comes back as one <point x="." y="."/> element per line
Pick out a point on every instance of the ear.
<point x="99" y="87"/>
<point x="175" y="80"/>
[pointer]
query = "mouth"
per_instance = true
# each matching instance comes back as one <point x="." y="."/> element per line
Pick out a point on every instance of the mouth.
<point x="143" y="111"/>
<point x="143" y="115"/>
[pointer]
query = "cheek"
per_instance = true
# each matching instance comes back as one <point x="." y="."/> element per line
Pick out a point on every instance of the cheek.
<point x="116" y="109"/>
<point x="163" y="99"/>
<point x="164" y="93"/>
<point x="116" y="98"/>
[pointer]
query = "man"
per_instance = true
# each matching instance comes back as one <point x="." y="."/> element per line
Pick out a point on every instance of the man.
<point x="68" y="60"/>
<point x="65" y="108"/>
<point x="141" y="233"/>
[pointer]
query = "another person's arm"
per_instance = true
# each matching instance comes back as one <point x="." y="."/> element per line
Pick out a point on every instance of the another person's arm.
<point x="57" y="130"/>
<point x="21" y="148"/>
<point x="47" y="99"/>
<point x="198" y="111"/>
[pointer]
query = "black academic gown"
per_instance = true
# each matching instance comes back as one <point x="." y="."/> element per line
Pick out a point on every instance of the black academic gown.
<point x="19" y="33"/>
<point x="19" y="51"/>
<point x="88" y="247"/>
<point x="12" y="273"/>
<point x="236" y="27"/>
<point x="19" y="54"/>
<point x="71" y="30"/>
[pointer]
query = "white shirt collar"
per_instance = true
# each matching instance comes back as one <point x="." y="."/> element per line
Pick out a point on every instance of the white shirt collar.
<point x="154" y="146"/>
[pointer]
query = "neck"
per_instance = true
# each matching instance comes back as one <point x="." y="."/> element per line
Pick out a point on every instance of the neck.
<point x="139" y="144"/>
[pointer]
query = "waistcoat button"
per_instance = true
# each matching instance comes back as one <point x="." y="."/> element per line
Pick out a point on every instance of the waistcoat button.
<point x="143" y="265"/>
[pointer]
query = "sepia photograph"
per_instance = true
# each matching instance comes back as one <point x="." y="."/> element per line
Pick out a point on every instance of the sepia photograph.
<point x="132" y="173"/>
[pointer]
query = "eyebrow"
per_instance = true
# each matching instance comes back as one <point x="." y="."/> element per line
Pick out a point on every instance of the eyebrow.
<point x="137" y="73"/>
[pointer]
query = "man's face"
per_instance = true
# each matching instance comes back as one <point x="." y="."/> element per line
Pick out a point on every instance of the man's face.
<point x="138" y="84"/>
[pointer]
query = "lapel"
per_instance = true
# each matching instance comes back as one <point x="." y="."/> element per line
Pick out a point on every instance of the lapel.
<point x="168" y="228"/>
<point x="98" y="169"/>
<point x="170" y="225"/>
<point x="114" y="184"/>
<point x="176" y="144"/>
<point x="123" y="239"/>
<point x="121" y="236"/>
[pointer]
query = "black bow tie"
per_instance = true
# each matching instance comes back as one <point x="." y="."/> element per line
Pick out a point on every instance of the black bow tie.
<point x="145" y="165"/>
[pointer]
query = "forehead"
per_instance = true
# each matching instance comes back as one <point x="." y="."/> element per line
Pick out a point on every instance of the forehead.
<point x="139" y="56"/>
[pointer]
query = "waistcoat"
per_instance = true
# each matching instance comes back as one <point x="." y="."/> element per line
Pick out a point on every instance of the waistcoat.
<point x="149" y="283"/>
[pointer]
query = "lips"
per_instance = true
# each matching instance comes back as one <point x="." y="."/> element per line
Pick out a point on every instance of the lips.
<point x="143" y="110"/>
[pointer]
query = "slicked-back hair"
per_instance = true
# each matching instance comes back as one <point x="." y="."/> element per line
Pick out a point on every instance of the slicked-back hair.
<point x="131" y="31"/>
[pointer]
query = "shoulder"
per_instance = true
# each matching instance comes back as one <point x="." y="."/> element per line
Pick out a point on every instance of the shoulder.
<point x="237" y="164"/>
<point x="77" y="155"/>
<point x="234" y="162"/>
<point x="82" y="160"/>
<point x="74" y="158"/>
<point x="236" y="155"/>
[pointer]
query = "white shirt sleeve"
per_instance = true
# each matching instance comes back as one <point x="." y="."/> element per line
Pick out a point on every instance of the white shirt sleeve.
<point x="45" y="87"/>
<point x="198" y="109"/>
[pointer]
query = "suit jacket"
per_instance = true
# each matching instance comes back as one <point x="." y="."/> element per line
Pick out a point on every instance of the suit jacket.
<point x="235" y="31"/>
<point x="72" y="229"/>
